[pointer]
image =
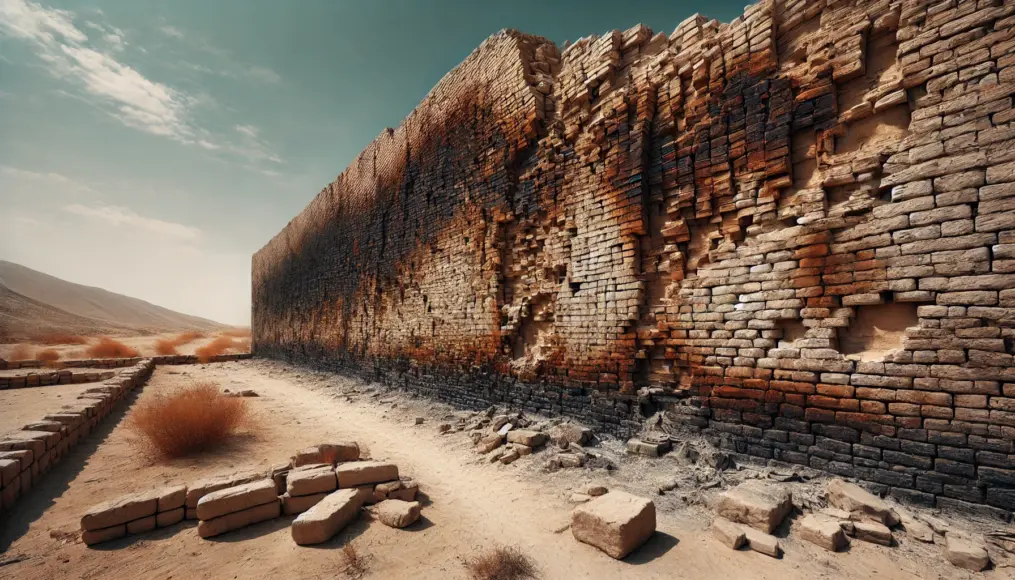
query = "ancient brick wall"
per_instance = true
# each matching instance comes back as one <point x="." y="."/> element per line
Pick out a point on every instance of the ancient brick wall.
<point x="794" y="231"/>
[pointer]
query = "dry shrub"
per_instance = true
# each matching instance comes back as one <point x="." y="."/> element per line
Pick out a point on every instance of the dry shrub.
<point x="187" y="338"/>
<point x="48" y="356"/>
<point x="165" y="346"/>
<point x="21" y="352"/>
<point x="55" y="338"/>
<point x="501" y="564"/>
<point x="109" y="348"/>
<point x="186" y="421"/>
<point x="214" y="348"/>
<point x="354" y="564"/>
<point x="236" y="332"/>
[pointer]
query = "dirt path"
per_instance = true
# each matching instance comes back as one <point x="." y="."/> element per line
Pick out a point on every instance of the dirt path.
<point x="473" y="505"/>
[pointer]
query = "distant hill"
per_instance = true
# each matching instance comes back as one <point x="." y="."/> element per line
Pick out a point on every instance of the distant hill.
<point x="34" y="303"/>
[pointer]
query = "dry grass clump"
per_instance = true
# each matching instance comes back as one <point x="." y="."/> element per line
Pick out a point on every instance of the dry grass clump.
<point x="20" y="352"/>
<point x="236" y="332"/>
<point x="109" y="348"/>
<point x="186" y="421"/>
<point x="165" y="346"/>
<point x="48" y="356"/>
<point x="216" y="347"/>
<point x="501" y="564"/>
<point x="354" y="564"/>
<point x="57" y="338"/>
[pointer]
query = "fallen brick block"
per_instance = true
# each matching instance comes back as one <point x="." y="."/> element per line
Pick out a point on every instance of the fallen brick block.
<point x="756" y="503"/>
<point x="234" y="499"/>
<point x="240" y="519"/>
<point x="311" y="480"/>
<point x="616" y="523"/>
<point x="120" y="511"/>
<point x="321" y="522"/>
<point x="359" y="473"/>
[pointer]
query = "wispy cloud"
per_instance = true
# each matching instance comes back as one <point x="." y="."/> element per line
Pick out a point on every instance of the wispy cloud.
<point x="34" y="175"/>
<point x="120" y="90"/>
<point x="122" y="216"/>
<point x="229" y="68"/>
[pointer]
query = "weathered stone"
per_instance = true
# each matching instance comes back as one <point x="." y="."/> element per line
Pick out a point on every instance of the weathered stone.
<point x="397" y="513"/>
<point x="639" y="447"/>
<point x="170" y="517"/>
<point x="202" y="488"/>
<point x="407" y="491"/>
<point x="489" y="443"/>
<point x="766" y="544"/>
<point x="359" y="473"/>
<point x="965" y="552"/>
<point x="92" y="537"/>
<point x="296" y="505"/>
<point x="142" y="525"/>
<point x="120" y="511"/>
<point x="321" y="522"/>
<point x="915" y="528"/>
<point x="240" y="519"/>
<point x="171" y="498"/>
<point x="729" y="533"/>
<point x="329" y="453"/>
<point x="861" y="504"/>
<point x="873" y="532"/>
<point x="234" y="499"/>
<point x="616" y="523"/>
<point x="311" y="481"/>
<point x="756" y="503"/>
<point x="823" y="531"/>
<point x="527" y="437"/>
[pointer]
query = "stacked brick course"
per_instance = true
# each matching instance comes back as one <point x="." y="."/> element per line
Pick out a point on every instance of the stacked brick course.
<point x="794" y="231"/>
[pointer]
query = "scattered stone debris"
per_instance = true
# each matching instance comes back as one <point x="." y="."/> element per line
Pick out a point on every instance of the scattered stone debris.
<point x="824" y="531"/>
<point x="965" y="552"/>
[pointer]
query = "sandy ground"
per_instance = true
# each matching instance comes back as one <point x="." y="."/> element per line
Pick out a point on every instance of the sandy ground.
<point x="18" y="407"/>
<point x="144" y="344"/>
<point x="471" y="505"/>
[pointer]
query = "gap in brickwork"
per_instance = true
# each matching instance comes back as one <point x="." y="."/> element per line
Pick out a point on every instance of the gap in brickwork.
<point x="877" y="330"/>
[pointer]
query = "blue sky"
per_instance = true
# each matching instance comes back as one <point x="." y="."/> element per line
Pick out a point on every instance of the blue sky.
<point x="150" y="148"/>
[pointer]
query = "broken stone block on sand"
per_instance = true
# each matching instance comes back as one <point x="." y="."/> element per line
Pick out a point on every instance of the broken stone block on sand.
<point x="616" y="523"/>
<point x="358" y="473"/>
<point x="120" y="511"/>
<point x="756" y="503"/>
<point x="240" y="519"/>
<point x="861" y="504"/>
<point x="527" y="437"/>
<point x="823" y="531"/>
<point x="489" y="443"/>
<point x="321" y="522"/>
<point x="397" y="513"/>
<point x="872" y="532"/>
<point x="729" y="533"/>
<point x="966" y="552"/>
<point x="647" y="448"/>
<point x="766" y="544"/>
<point x="311" y="480"/>
<point x="235" y="499"/>
<point x="202" y="488"/>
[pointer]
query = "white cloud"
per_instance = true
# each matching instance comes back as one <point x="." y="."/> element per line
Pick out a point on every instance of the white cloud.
<point x="263" y="74"/>
<point x="171" y="31"/>
<point x="122" y="216"/>
<point x="34" y="175"/>
<point x="118" y="89"/>
<point x="248" y="130"/>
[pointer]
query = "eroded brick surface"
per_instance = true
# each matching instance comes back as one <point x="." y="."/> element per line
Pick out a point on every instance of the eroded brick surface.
<point x="794" y="231"/>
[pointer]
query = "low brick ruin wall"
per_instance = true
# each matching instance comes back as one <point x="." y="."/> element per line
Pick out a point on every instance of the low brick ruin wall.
<point x="794" y="232"/>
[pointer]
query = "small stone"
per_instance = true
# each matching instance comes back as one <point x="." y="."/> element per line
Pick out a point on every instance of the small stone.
<point x="407" y="491"/>
<point x="756" y="503"/>
<point x="761" y="542"/>
<point x="489" y="443"/>
<point x="823" y="531"/>
<point x="580" y="498"/>
<point x="965" y="552"/>
<point x="596" y="490"/>
<point x="616" y="523"/>
<point x="873" y="532"/>
<point x="444" y="427"/>
<point x="397" y="513"/>
<point x="248" y="393"/>
<point x="571" y="460"/>
<point x="729" y="533"/>
<point x="419" y="420"/>
<point x="522" y="450"/>
<point x="639" y="447"/>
